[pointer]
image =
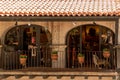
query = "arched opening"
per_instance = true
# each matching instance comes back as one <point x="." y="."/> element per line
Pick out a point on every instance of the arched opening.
<point x="89" y="40"/>
<point x="30" y="40"/>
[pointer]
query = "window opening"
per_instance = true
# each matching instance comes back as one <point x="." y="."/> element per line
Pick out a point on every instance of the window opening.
<point x="90" y="40"/>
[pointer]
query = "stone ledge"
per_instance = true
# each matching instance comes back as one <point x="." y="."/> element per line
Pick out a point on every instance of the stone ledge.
<point x="27" y="73"/>
<point x="20" y="75"/>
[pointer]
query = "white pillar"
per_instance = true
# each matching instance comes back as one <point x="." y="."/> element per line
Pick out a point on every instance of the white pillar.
<point x="60" y="63"/>
<point x="118" y="49"/>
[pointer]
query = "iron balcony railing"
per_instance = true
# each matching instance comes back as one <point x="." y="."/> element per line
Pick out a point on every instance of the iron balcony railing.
<point x="93" y="60"/>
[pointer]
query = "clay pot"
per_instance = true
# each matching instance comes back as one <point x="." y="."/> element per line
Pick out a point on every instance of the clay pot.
<point x="23" y="61"/>
<point x="81" y="59"/>
<point x="54" y="56"/>
<point x="106" y="54"/>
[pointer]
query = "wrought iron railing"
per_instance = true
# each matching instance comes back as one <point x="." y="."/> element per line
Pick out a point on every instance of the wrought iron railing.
<point x="93" y="60"/>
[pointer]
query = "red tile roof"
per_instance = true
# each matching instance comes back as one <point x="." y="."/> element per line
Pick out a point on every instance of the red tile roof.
<point x="59" y="7"/>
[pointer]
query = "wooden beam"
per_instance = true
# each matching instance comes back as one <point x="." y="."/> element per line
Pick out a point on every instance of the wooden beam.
<point x="60" y="18"/>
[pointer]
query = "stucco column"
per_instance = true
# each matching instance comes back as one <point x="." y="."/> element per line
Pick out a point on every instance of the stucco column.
<point x="118" y="58"/>
<point x="55" y="29"/>
<point x="118" y="49"/>
<point x="61" y="61"/>
<point x="119" y="31"/>
<point x="1" y="55"/>
<point x="55" y="33"/>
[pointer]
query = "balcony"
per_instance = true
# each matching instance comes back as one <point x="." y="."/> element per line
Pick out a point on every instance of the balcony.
<point x="39" y="61"/>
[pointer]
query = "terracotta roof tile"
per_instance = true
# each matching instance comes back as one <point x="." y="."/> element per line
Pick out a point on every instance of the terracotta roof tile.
<point x="59" y="7"/>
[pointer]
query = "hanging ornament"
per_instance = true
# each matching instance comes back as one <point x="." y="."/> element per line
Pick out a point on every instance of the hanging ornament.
<point x="33" y="40"/>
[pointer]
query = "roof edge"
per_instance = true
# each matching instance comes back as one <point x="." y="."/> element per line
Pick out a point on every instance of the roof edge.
<point x="61" y="18"/>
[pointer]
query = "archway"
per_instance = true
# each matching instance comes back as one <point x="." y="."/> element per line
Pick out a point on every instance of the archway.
<point x="32" y="40"/>
<point x="88" y="39"/>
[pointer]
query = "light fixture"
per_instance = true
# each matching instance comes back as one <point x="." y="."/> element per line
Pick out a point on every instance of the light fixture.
<point x="108" y="33"/>
<point x="16" y="23"/>
<point x="29" y="23"/>
<point x="74" y="23"/>
<point x="94" y="23"/>
<point x="46" y="28"/>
